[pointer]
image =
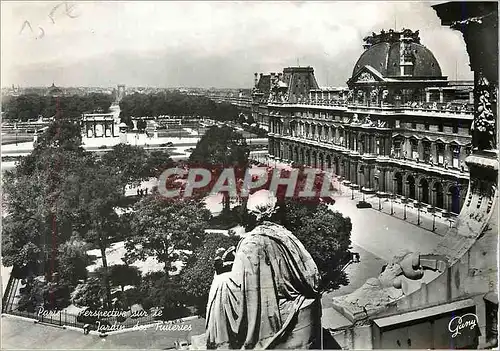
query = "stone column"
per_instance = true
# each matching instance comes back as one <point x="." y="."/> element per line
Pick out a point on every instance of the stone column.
<point x="369" y="176"/>
<point x="420" y="149"/>
<point x="447" y="155"/>
<point x="418" y="191"/>
<point x="382" y="179"/>
<point x="390" y="181"/>
<point x="447" y="197"/>
<point x="405" y="186"/>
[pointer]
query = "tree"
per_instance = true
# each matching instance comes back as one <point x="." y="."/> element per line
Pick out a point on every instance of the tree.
<point x="73" y="260"/>
<point x="198" y="274"/>
<point x="141" y="125"/>
<point x="158" y="161"/>
<point x="161" y="290"/>
<point x="128" y="163"/>
<point x="58" y="191"/>
<point x="175" y="103"/>
<point x="30" y="106"/>
<point x="122" y="275"/>
<point x="62" y="134"/>
<point x="42" y="195"/>
<point x="100" y="193"/>
<point x="222" y="147"/>
<point x="326" y="235"/>
<point x="90" y="294"/>
<point x="162" y="228"/>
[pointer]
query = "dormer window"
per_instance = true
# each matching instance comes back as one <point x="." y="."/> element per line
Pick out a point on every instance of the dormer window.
<point x="408" y="70"/>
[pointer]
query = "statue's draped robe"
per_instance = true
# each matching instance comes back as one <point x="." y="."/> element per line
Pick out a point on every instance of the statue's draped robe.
<point x="269" y="299"/>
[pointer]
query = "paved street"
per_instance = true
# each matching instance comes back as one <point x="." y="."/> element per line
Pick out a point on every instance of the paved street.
<point x="377" y="237"/>
<point x="383" y="235"/>
<point x="24" y="334"/>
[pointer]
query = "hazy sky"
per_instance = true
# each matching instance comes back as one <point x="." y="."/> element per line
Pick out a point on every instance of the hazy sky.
<point x="204" y="44"/>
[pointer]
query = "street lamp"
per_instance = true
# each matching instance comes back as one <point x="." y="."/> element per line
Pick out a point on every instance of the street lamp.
<point x="418" y="205"/>
<point x="418" y="215"/>
<point x="379" y="203"/>
<point x="392" y="206"/>
<point x="404" y="201"/>
<point x="433" y="211"/>
<point x="393" y="194"/>
<point x="360" y="171"/>
<point x="352" y="192"/>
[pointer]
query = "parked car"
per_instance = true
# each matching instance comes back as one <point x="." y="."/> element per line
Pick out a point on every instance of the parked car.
<point x="182" y="345"/>
<point x="363" y="204"/>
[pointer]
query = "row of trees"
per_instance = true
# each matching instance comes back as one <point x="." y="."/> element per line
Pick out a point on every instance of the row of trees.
<point x="31" y="106"/>
<point x="175" y="103"/>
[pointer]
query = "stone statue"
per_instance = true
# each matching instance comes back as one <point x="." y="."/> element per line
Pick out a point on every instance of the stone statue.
<point x="484" y="121"/>
<point x="385" y="95"/>
<point x="401" y="276"/>
<point x="360" y="92"/>
<point x="355" y="118"/>
<point x="407" y="266"/>
<point x="368" y="121"/>
<point x="268" y="298"/>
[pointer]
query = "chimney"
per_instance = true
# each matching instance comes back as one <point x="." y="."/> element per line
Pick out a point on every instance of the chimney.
<point x="273" y="77"/>
<point x="255" y="79"/>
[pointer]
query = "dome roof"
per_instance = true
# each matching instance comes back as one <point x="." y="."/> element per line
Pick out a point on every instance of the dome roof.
<point x="384" y="56"/>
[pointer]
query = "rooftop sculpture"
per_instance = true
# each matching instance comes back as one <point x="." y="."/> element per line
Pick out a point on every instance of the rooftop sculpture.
<point x="392" y="36"/>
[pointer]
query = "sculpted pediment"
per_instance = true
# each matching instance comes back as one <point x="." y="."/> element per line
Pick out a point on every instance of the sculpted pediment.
<point x="365" y="77"/>
<point x="367" y="74"/>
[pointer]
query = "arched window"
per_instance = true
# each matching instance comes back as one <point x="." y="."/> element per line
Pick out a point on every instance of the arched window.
<point x="427" y="150"/>
<point x="455" y="152"/>
<point x="440" y="153"/>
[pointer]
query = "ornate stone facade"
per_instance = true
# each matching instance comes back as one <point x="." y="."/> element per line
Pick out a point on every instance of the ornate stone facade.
<point x="408" y="136"/>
